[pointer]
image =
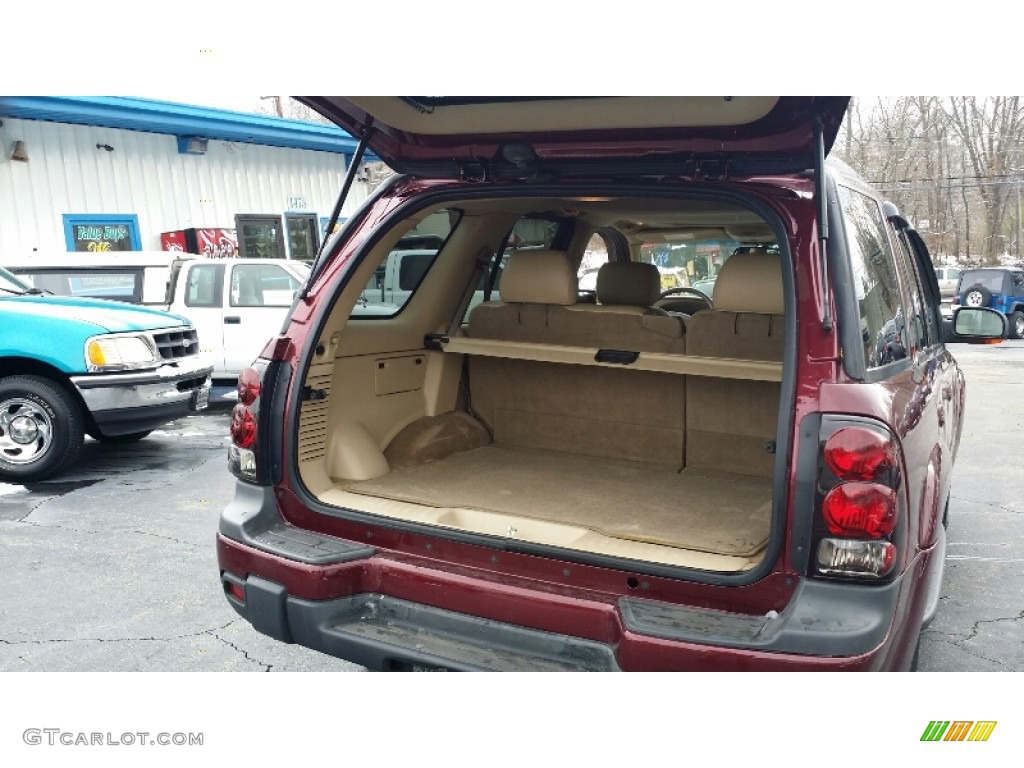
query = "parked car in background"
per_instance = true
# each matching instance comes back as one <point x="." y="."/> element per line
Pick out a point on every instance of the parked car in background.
<point x="236" y="305"/>
<point x="71" y="367"/>
<point x="948" y="278"/>
<point x="1000" y="288"/>
<point x="546" y="484"/>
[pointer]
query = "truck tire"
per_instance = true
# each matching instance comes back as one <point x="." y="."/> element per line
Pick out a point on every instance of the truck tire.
<point x="41" y="429"/>
<point x="976" y="296"/>
<point x="1016" y="321"/>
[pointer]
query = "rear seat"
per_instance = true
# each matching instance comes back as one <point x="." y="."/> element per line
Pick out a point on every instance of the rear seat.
<point x="538" y="304"/>
<point x="731" y="424"/>
<point x="613" y="413"/>
<point x="624" y="316"/>
<point x="535" y="285"/>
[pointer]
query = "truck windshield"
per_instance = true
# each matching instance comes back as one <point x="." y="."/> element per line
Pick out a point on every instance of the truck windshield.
<point x="92" y="282"/>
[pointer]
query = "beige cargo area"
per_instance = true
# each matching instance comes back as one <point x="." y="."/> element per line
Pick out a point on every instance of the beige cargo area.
<point x="611" y="428"/>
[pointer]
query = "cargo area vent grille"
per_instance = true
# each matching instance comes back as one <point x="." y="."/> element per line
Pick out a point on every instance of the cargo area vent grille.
<point x="313" y="420"/>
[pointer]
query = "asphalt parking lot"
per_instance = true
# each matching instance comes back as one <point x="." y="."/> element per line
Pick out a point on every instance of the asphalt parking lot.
<point x="112" y="567"/>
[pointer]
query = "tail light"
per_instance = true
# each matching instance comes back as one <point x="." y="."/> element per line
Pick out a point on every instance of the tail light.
<point x="860" y="523"/>
<point x="244" y="448"/>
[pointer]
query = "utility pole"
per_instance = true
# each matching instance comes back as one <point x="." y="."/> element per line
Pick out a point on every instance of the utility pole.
<point x="1016" y="188"/>
<point x="277" y="104"/>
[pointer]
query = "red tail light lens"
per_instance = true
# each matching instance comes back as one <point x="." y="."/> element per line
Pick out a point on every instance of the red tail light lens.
<point x="859" y="530"/>
<point x="859" y="454"/>
<point x="243" y="426"/>
<point x="860" y="510"/>
<point x="248" y="386"/>
<point x="245" y="450"/>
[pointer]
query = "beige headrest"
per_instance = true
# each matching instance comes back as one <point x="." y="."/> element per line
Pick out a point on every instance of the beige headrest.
<point x="750" y="282"/>
<point x="628" y="282"/>
<point x="539" y="277"/>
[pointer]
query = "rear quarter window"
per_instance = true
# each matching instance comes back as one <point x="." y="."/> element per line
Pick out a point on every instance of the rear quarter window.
<point x="399" y="275"/>
<point x="882" y="319"/>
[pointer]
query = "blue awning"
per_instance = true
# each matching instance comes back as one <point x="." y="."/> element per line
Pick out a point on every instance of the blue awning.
<point x="183" y="120"/>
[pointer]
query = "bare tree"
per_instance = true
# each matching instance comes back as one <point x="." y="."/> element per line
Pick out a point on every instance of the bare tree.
<point x="989" y="131"/>
<point x="949" y="163"/>
<point x="287" y="107"/>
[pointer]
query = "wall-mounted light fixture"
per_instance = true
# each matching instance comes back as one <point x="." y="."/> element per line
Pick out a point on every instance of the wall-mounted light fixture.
<point x="191" y="145"/>
<point x="105" y="146"/>
<point x="19" y="152"/>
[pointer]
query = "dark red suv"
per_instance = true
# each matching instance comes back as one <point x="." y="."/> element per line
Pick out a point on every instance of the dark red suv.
<point x="454" y="458"/>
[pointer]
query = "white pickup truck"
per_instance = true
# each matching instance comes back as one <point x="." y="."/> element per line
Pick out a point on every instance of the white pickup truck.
<point x="236" y="305"/>
<point x="397" y="277"/>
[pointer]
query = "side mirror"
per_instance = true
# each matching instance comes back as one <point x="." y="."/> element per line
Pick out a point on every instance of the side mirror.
<point x="979" y="325"/>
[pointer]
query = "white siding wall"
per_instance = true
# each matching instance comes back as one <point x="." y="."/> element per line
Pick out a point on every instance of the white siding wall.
<point x="146" y="176"/>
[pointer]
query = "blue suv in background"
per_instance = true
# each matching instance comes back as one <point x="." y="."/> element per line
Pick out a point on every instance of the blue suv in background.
<point x="999" y="288"/>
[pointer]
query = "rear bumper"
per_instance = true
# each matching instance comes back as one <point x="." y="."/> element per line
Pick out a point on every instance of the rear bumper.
<point x="385" y="612"/>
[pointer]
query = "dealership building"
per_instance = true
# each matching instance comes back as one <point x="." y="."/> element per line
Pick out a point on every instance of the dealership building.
<point x="116" y="174"/>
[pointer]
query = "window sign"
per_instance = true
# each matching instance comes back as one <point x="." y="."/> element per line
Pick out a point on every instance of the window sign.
<point x="324" y="220"/>
<point x="101" y="233"/>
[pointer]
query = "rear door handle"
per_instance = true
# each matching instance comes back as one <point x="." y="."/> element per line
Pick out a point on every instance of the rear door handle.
<point x="232" y="320"/>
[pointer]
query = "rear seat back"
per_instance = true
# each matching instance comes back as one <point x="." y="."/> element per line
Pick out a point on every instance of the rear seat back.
<point x="747" y="319"/>
<point x="624" y="317"/>
<point x="611" y="413"/>
<point x="629" y="287"/>
<point x="733" y="423"/>
<point x="538" y="305"/>
<point x="533" y="285"/>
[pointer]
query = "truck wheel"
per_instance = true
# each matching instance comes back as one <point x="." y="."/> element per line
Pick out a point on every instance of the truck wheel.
<point x="976" y="296"/>
<point x="1016" y="321"/>
<point x="41" y="429"/>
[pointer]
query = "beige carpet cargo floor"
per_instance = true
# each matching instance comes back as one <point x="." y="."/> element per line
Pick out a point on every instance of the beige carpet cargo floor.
<point x="708" y="512"/>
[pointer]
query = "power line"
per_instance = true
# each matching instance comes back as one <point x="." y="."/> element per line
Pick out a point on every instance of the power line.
<point x="947" y="182"/>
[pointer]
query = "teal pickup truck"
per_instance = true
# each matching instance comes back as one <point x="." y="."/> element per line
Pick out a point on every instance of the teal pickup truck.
<point x="75" y="367"/>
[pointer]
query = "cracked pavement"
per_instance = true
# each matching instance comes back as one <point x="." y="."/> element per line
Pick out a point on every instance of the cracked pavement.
<point x="112" y="567"/>
<point x="980" y="622"/>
